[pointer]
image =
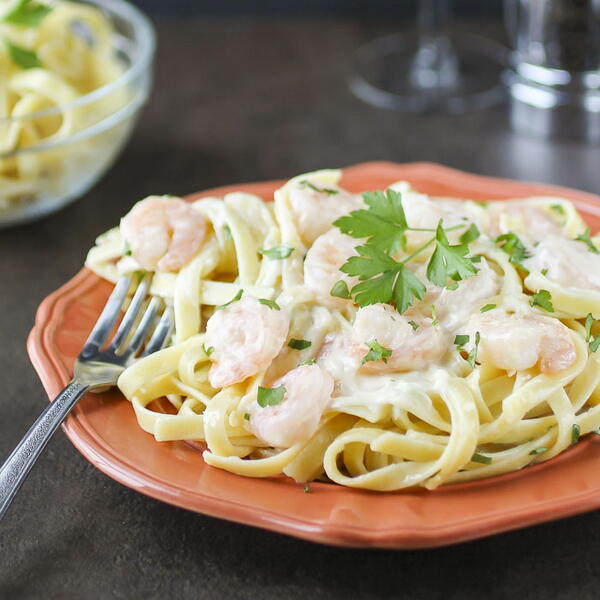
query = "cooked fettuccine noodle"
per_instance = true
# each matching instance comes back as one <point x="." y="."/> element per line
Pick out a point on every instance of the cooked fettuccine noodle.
<point x="491" y="366"/>
<point x="52" y="53"/>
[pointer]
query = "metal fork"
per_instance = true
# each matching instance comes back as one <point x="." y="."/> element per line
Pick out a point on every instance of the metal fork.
<point x="95" y="369"/>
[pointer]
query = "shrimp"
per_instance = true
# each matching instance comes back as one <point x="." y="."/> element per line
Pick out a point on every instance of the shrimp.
<point x="315" y="211"/>
<point x="523" y="218"/>
<point x="413" y="346"/>
<point x="245" y="336"/>
<point x="322" y="266"/>
<point x="307" y="392"/>
<point x="454" y="307"/>
<point x="163" y="232"/>
<point x="568" y="262"/>
<point x="515" y="342"/>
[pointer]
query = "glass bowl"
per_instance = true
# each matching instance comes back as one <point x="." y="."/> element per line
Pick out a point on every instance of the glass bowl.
<point x="39" y="179"/>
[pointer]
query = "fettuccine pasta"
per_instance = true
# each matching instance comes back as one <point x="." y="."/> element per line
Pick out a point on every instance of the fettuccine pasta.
<point x="53" y="53"/>
<point x="382" y="341"/>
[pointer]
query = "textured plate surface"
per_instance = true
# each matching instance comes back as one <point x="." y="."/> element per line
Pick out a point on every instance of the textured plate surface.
<point x="103" y="427"/>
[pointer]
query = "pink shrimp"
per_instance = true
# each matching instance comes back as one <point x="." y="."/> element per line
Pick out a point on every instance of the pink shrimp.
<point x="515" y="342"/>
<point x="245" y="336"/>
<point x="163" y="232"/>
<point x="295" y="419"/>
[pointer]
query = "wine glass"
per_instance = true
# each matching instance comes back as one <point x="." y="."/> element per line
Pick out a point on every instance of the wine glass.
<point x="429" y="70"/>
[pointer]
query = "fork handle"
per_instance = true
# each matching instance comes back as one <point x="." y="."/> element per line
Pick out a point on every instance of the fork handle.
<point x="17" y="466"/>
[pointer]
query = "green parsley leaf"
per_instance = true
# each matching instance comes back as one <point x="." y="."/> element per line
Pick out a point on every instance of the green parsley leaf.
<point x="475" y="259"/>
<point x="559" y="209"/>
<point x="376" y="352"/>
<point x="448" y="261"/>
<point x="329" y="191"/>
<point x="514" y="247"/>
<point x="481" y="458"/>
<point x="585" y="238"/>
<point x="414" y="325"/>
<point x="247" y="416"/>
<point x="277" y="252"/>
<point x="487" y="307"/>
<point x="383" y="223"/>
<point x="26" y="13"/>
<point x="340" y="290"/>
<point x="299" y="344"/>
<point x="589" y="321"/>
<point x="473" y="354"/>
<point x="482" y="204"/>
<point x="544" y="272"/>
<point x="470" y="235"/>
<point x="270" y="396"/>
<point x="126" y="248"/>
<point x="395" y="283"/>
<point x="461" y="340"/>
<point x="575" y="433"/>
<point x="452" y="286"/>
<point x="270" y="303"/>
<point x="595" y="344"/>
<point x="539" y="450"/>
<point x="307" y="489"/>
<point x="543" y="299"/>
<point x="312" y="361"/>
<point x="24" y="58"/>
<point x="234" y="299"/>
<point x="208" y="350"/>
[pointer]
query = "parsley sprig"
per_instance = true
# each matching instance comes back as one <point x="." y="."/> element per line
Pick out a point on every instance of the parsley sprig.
<point x="383" y="279"/>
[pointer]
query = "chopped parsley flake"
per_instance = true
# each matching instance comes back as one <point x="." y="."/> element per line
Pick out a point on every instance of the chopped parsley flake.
<point x="312" y="361"/>
<point x="247" y="416"/>
<point x="234" y="299"/>
<point x="585" y="238"/>
<point x="589" y="321"/>
<point x="473" y="354"/>
<point x="575" y="433"/>
<point x="376" y="352"/>
<point x="559" y="209"/>
<point x="514" y="247"/>
<point x="340" y="290"/>
<point x="299" y="344"/>
<point x="277" y="252"/>
<point x="270" y="303"/>
<point x="595" y="344"/>
<point x="270" y="396"/>
<point x="434" y="319"/>
<point x="329" y="191"/>
<point x="207" y="350"/>
<point x="461" y="340"/>
<point x="487" y="307"/>
<point x="470" y="235"/>
<point x="539" y="450"/>
<point x="544" y="272"/>
<point x="126" y="248"/>
<point x="414" y="325"/>
<point x="26" y="13"/>
<point x="543" y="299"/>
<point x="452" y="286"/>
<point x="307" y="489"/>
<point x="481" y="458"/>
<point x="24" y="58"/>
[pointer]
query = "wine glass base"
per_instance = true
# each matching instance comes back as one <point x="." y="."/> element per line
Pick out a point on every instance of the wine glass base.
<point x="383" y="75"/>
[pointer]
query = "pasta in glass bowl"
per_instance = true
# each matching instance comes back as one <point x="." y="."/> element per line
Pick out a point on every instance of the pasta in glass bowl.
<point x="73" y="78"/>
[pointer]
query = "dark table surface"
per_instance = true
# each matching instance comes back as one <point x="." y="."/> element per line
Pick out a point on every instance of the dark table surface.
<point x="238" y="101"/>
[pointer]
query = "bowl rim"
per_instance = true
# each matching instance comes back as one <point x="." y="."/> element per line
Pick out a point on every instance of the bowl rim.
<point x="145" y="38"/>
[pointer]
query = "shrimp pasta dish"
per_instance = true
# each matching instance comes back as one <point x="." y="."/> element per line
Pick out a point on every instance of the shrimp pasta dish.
<point x="383" y="340"/>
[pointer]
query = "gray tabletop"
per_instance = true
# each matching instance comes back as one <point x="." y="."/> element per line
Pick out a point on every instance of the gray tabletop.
<point x="239" y="101"/>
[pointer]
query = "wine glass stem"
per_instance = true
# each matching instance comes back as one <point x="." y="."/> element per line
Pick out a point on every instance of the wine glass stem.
<point x="434" y="67"/>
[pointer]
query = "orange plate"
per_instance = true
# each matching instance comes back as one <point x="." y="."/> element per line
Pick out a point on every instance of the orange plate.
<point x="104" y="429"/>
